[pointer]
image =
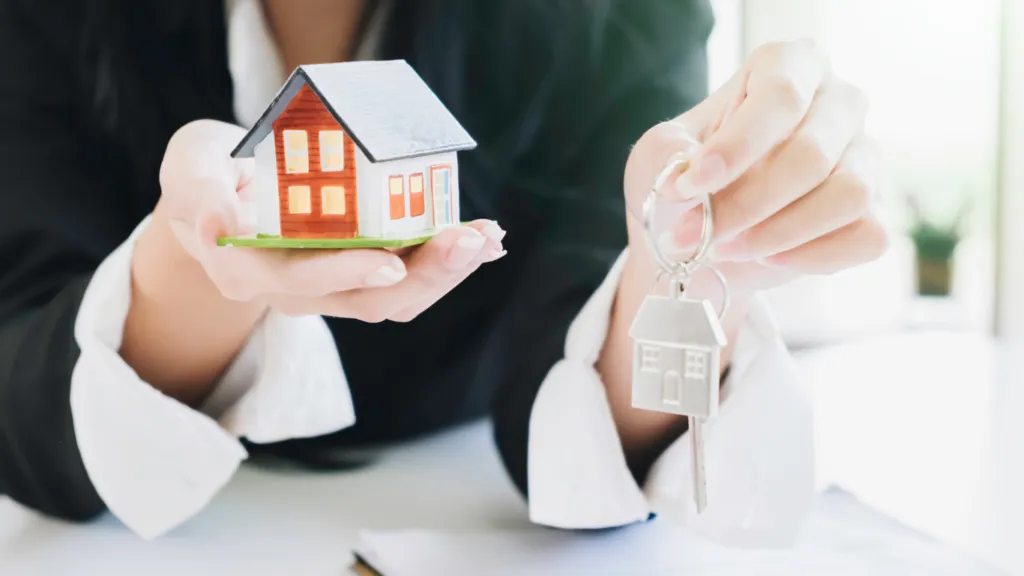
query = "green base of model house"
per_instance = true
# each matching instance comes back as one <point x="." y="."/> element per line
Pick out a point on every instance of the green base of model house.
<point x="267" y="241"/>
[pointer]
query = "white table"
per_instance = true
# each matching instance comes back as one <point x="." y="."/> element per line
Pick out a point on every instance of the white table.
<point x="283" y="522"/>
<point x="934" y="439"/>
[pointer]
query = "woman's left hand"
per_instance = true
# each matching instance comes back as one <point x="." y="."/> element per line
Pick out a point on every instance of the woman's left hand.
<point x="781" y="150"/>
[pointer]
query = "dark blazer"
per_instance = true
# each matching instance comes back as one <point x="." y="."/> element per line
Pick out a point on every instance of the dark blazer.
<point x="554" y="91"/>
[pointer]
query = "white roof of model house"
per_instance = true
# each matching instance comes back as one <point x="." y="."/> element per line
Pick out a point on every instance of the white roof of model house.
<point x="662" y="320"/>
<point x="385" y="107"/>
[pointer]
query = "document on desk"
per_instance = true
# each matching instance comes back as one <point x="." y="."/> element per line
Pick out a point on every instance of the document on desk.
<point x="842" y="538"/>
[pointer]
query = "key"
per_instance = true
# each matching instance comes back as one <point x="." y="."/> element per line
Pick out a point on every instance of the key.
<point x="677" y="344"/>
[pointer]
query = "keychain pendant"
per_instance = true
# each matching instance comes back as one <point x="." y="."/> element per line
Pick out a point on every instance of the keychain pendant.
<point x="677" y="343"/>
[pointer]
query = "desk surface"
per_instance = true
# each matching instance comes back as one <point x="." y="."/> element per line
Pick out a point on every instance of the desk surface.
<point x="923" y="427"/>
<point x="270" y="522"/>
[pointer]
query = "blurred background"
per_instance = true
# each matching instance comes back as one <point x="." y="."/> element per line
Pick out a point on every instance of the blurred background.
<point x="943" y="80"/>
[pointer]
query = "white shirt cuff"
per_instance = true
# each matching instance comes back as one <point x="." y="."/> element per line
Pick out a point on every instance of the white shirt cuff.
<point x="156" y="462"/>
<point x="759" y="449"/>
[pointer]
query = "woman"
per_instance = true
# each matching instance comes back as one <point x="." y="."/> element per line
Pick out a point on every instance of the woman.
<point x="134" y="365"/>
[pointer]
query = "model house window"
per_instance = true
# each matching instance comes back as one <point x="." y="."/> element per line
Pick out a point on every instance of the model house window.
<point x="332" y="200"/>
<point x="696" y="364"/>
<point x="416" y="202"/>
<point x="298" y="200"/>
<point x="396" y="189"/>
<point x="296" y="152"/>
<point x="649" y="357"/>
<point x="332" y="150"/>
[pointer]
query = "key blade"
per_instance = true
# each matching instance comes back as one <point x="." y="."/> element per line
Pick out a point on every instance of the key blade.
<point x="700" y="484"/>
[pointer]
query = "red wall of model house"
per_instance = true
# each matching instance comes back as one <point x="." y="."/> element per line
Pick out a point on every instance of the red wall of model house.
<point x="307" y="112"/>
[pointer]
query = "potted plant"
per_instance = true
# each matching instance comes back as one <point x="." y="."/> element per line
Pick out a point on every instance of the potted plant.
<point x="935" y="244"/>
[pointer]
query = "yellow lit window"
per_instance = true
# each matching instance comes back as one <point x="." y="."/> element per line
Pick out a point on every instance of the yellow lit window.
<point x="333" y="199"/>
<point x="332" y="150"/>
<point x="296" y="152"/>
<point x="298" y="200"/>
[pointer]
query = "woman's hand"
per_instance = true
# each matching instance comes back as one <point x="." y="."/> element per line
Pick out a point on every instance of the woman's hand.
<point x="194" y="304"/>
<point x="203" y="198"/>
<point x="783" y="153"/>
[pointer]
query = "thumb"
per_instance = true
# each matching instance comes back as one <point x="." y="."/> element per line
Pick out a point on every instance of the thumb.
<point x="197" y="167"/>
<point x="224" y="215"/>
<point x="704" y="119"/>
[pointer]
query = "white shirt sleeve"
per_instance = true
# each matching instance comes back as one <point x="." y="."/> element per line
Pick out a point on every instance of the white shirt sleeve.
<point x="156" y="462"/>
<point x="759" y="449"/>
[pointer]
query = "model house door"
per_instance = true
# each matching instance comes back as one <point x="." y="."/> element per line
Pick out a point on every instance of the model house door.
<point x="671" y="388"/>
<point x="441" y="186"/>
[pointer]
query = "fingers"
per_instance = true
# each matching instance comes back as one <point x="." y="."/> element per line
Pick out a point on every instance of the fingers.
<point x="744" y="278"/>
<point x="841" y="199"/>
<point x="492" y="251"/>
<point x="432" y="271"/>
<point x="250" y="273"/>
<point x="798" y="165"/>
<point x="780" y="86"/>
<point x="862" y="241"/>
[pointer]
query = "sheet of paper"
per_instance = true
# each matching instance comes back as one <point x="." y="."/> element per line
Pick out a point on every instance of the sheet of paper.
<point x="843" y="537"/>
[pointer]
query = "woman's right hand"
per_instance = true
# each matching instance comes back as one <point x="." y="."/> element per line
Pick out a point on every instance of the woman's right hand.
<point x="204" y="193"/>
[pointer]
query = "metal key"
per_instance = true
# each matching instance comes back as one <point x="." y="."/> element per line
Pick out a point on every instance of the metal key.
<point x="677" y="341"/>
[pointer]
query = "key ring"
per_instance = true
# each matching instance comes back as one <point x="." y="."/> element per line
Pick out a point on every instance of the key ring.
<point x="681" y="271"/>
<point x="672" y="267"/>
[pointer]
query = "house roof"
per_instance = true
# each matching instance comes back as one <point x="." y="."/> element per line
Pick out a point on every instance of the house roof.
<point x="385" y="107"/>
<point x="667" y="321"/>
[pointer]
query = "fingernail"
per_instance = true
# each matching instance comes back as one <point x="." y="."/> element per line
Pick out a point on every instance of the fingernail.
<point x="493" y="231"/>
<point x="385" y="276"/>
<point x="471" y="242"/>
<point x="465" y="250"/>
<point x="702" y="174"/>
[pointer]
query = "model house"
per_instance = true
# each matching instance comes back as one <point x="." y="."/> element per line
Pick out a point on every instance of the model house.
<point x="677" y="344"/>
<point x="354" y="154"/>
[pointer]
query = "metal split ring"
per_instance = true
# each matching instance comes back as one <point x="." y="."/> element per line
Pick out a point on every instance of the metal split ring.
<point x="682" y="270"/>
<point x="674" y="267"/>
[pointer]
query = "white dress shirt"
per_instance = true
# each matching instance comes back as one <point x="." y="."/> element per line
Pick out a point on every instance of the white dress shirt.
<point x="156" y="462"/>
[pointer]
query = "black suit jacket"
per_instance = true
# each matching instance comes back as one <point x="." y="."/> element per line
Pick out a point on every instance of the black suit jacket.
<point x="555" y="92"/>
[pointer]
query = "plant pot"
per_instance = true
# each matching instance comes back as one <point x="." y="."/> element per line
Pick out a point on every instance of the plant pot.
<point x="934" y="276"/>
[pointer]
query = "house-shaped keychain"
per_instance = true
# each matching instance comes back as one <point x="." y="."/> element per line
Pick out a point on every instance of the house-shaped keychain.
<point x="353" y="155"/>
<point x="677" y="344"/>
